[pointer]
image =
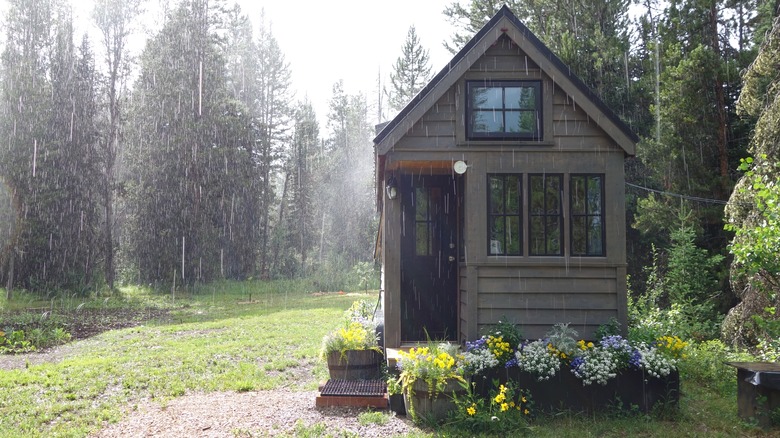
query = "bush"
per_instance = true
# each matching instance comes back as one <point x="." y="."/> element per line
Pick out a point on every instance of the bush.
<point x="704" y="365"/>
<point x="25" y="332"/>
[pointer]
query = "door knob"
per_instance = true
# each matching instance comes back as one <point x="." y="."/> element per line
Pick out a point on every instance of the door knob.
<point x="451" y="258"/>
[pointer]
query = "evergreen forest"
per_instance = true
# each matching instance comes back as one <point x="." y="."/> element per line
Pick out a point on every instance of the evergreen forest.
<point x="195" y="161"/>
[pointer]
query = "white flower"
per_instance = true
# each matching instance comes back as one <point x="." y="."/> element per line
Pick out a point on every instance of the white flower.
<point x="537" y="359"/>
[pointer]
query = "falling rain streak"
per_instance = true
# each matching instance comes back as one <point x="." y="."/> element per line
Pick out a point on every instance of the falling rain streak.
<point x="196" y="163"/>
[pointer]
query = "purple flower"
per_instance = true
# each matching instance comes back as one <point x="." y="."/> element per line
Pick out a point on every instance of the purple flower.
<point x="511" y="363"/>
<point x="476" y="345"/>
<point x="636" y="359"/>
<point x="577" y="362"/>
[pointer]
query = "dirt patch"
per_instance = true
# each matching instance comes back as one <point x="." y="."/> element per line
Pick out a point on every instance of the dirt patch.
<point x="82" y="324"/>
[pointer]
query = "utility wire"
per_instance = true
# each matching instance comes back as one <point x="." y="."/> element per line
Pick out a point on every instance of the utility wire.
<point x="687" y="197"/>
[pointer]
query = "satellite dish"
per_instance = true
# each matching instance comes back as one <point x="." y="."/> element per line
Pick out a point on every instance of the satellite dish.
<point x="460" y="167"/>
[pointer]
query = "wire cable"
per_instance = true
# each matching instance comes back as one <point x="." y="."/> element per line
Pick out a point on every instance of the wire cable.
<point x="686" y="197"/>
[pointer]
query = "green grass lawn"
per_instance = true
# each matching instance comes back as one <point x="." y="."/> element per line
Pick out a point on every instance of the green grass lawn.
<point x="252" y="336"/>
<point x="220" y="339"/>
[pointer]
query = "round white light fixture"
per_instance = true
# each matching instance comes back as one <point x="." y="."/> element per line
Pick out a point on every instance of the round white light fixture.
<point x="460" y="167"/>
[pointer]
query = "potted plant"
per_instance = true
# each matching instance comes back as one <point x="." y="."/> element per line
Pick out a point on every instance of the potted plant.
<point x="430" y="376"/>
<point x="352" y="352"/>
<point x="395" y="396"/>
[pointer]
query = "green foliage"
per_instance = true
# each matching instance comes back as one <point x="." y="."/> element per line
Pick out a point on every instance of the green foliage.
<point x="612" y="328"/>
<point x="756" y="244"/>
<point x="411" y="72"/>
<point x="372" y="417"/>
<point x="25" y="332"/>
<point x="680" y="293"/>
<point x="509" y="331"/>
<point x="505" y="412"/>
<point x="704" y="366"/>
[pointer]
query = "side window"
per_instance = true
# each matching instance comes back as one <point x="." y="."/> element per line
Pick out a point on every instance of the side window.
<point x="504" y="110"/>
<point x="427" y="202"/>
<point x="587" y="215"/>
<point x="505" y="214"/>
<point x="545" y="231"/>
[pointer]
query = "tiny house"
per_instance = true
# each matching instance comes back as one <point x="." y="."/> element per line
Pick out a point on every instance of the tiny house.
<point x="501" y="194"/>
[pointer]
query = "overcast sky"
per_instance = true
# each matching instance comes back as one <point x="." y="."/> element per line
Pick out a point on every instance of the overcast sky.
<point x="325" y="41"/>
<point x="353" y="40"/>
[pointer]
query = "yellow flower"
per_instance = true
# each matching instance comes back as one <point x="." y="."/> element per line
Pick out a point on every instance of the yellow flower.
<point x="504" y="407"/>
<point x="500" y="398"/>
<point x="511" y="404"/>
<point x="471" y="410"/>
<point x="590" y="344"/>
<point x="526" y="412"/>
<point x="524" y="400"/>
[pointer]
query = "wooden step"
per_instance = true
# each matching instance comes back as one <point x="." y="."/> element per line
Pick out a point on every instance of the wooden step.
<point x="355" y="393"/>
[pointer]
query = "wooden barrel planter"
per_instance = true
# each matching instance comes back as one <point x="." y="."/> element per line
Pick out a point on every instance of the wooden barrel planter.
<point x="425" y="403"/>
<point x="355" y="365"/>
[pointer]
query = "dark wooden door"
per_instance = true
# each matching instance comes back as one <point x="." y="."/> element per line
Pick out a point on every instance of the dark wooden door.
<point x="429" y="259"/>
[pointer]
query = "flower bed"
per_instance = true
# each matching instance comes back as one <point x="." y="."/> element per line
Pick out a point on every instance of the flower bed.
<point x="629" y="389"/>
<point x="561" y="373"/>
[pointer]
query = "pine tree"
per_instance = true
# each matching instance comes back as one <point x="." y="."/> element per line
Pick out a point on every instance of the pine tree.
<point x="272" y="118"/>
<point x="189" y="185"/>
<point x="411" y="72"/>
<point x="114" y="20"/>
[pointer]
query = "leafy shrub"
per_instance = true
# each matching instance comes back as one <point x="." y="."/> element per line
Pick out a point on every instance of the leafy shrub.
<point x="704" y="365"/>
<point x="25" y="332"/>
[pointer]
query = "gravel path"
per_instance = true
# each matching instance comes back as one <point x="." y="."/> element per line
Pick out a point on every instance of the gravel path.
<point x="249" y="414"/>
<point x="226" y="414"/>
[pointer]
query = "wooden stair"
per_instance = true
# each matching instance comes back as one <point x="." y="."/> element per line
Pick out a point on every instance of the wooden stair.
<point x="354" y="393"/>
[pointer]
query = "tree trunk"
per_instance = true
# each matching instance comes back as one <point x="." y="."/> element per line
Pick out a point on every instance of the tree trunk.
<point x="282" y="203"/>
<point x="720" y="103"/>
<point x="9" y="287"/>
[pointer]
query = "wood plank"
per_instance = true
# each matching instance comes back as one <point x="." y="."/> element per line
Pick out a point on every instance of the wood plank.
<point x="529" y="301"/>
<point x="568" y="112"/>
<point x="538" y="331"/>
<point x="510" y="65"/>
<point x="488" y="285"/>
<point x="352" y="401"/>
<point x="440" y="113"/>
<point x="433" y="129"/>
<point x="416" y="143"/>
<point x="560" y="271"/>
<point x="576" y="128"/>
<point x="472" y="313"/>
<point x="547" y="316"/>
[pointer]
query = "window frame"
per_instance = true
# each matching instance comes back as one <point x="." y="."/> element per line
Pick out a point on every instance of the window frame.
<point x="546" y="215"/>
<point x="518" y="231"/>
<point x="587" y="214"/>
<point x="503" y="135"/>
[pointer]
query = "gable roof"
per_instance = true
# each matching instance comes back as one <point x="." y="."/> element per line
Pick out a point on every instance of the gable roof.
<point x="506" y="23"/>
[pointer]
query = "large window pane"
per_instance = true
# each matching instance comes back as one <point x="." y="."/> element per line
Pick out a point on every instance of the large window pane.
<point x="504" y="215"/>
<point x="546" y="217"/>
<point x="487" y="98"/>
<point x="488" y="121"/>
<point x="504" y="109"/>
<point x="587" y="211"/>
<point x="513" y="195"/>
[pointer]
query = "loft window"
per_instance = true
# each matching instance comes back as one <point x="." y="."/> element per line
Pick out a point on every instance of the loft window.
<point x="545" y="214"/>
<point x="587" y="215"/>
<point x="505" y="214"/>
<point x="509" y="110"/>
